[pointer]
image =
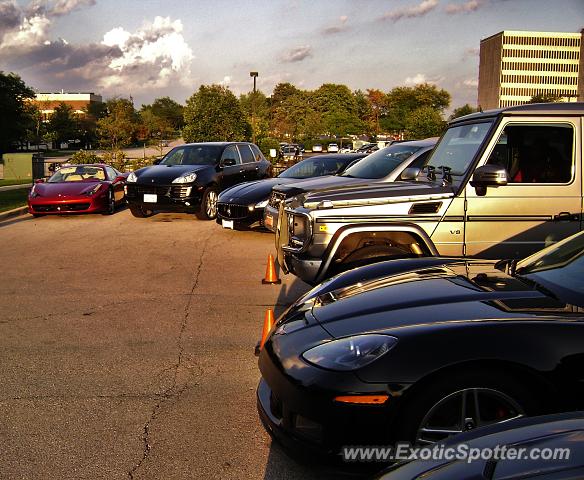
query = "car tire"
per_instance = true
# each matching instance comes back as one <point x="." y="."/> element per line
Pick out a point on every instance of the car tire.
<point x="208" y="208"/>
<point x="139" y="212"/>
<point x="484" y="388"/>
<point x="111" y="202"/>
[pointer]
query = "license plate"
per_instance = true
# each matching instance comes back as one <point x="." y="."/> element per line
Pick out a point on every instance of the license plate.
<point x="269" y="220"/>
<point x="150" y="198"/>
<point x="227" y="223"/>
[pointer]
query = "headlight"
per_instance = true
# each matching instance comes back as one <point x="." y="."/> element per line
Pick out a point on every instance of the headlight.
<point x="262" y="204"/>
<point x="186" y="178"/>
<point x="33" y="193"/>
<point x="93" y="191"/>
<point x="132" y="178"/>
<point x="350" y="353"/>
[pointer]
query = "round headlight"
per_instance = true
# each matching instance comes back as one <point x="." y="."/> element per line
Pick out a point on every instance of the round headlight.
<point x="350" y="353"/>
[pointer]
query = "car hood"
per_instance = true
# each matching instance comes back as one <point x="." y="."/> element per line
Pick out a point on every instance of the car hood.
<point x="251" y="192"/>
<point x="164" y="174"/>
<point x="370" y="193"/>
<point x="64" y="189"/>
<point x="458" y="292"/>
<point x="319" y="183"/>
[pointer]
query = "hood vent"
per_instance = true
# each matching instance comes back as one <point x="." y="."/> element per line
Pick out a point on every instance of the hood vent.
<point x="419" y="208"/>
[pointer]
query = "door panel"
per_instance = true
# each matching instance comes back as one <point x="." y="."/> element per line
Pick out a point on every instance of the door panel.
<point x="248" y="162"/>
<point x="543" y="201"/>
<point x="232" y="174"/>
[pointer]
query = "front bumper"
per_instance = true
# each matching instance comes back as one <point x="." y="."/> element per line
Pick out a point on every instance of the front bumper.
<point x="302" y="415"/>
<point x="240" y="214"/>
<point x="77" y="204"/>
<point x="178" y="197"/>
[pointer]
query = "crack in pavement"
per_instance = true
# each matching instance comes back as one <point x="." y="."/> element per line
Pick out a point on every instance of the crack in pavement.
<point x="171" y="393"/>
<point x="139" y="396"/>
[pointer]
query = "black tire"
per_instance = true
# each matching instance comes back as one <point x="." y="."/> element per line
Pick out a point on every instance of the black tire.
<point x="139" y="212"/>
<point x="111" y="202"/>
<point x="414" y="421"/>
<point x="208" y="209"/>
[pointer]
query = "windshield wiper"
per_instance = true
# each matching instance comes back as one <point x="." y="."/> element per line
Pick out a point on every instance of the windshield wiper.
<point x="538" y="286"/>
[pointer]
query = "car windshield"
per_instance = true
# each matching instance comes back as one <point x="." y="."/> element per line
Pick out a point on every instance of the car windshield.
<point x="382" y="162"/>
<point x="193" y="155"/>
<point x="77" y="173"/>
<point x="458" y="147"/>
<point x="559" y="268"/>
<point x="314" y="167"/>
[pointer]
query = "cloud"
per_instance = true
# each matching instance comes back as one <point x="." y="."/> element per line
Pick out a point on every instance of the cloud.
<point x="420" y="78"/>
<point x="226" y="81"/>
<point x="411" y="12"/>
<point x="297" y="54"/>
<point x="471" y="83"/>
<point x="465" y="7"/>
<point x="339" y="27"/>
<point x="64" y="7"/>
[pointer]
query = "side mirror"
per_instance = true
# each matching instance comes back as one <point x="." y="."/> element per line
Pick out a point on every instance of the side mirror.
<point x="410" y="173"/>
<point x="120" y="178"/>
<point x="40" y="180"/>
<point x="228" y="162"/>
<point x="489" y="176"/>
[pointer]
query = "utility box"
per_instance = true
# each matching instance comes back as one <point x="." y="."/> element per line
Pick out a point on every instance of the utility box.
<point x="17" y="166"/>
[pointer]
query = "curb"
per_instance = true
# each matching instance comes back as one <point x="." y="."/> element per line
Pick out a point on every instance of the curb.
<point x="15" y="212"/>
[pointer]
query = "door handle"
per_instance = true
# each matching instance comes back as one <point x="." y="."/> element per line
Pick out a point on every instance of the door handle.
<point x="242" y="170"/>
<point x="257" y="168"/>
<point x="566" y="217"/>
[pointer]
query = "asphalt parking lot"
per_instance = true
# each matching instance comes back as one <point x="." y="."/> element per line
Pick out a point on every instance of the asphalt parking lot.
<point x="126" y="349"/>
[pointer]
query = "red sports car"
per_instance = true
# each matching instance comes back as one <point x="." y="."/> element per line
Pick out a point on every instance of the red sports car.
<point x="78" y="189"/>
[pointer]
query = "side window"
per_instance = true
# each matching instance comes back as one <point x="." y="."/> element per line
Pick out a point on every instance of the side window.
<point x="421" y="160"/>
<point x="535" y="153"/>
<point x="256" y="153"/>
<point x="231" y="153"/>
<point x="246" y="154"/>
<point x="111" y="173"/>
<point x="174" y="157"/>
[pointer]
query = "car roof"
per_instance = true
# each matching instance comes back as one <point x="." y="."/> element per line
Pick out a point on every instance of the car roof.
<point x="217" y="144"/>
<point x="568" y="108"/>
<point x="426" y="142"/>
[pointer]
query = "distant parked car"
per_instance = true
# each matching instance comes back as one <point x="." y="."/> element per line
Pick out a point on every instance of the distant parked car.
<point x="190" y="177"/>
<point x="78" y="189"/>
<point x="332" y="148"/>
<point x="243" y="205"/>
<point x="317" y="148"/>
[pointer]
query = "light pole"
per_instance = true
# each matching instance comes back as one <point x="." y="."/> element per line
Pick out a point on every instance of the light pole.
<point x="253" y="133"/>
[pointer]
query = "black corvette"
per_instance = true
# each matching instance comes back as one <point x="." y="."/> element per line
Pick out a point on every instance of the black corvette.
<point x="190" y="177"/>
<point x="243" y="205"/>
<point x="418" y="350"/>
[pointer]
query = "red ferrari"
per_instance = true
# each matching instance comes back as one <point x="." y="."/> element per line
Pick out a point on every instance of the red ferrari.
<point x="78" y="189"/>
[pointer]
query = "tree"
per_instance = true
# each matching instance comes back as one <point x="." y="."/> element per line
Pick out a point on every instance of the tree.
<point x="402" y="101"/>
<point x="338" y="108"/>
<point x="62" y="124"/>
<point x="462" y="111"/>
<point x="119" y="127"/>
<point x="378" y="102"/>
<point x="213" y="113"/>
<point x="15" y="116"/>
<point x="545" y="98"/>
<point x="168" y="112"/>
<point x="256" y="109"/>
<point x="424" y="122"/>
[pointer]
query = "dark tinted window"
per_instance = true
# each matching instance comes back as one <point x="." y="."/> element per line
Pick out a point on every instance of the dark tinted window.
<point x="193" y="155"/>
<point x="314" y="167"/>
<point x="535" y="153"/>
<point x="231" y="153"/>
<point x="246" y="154"/>
<point x="256" y="153"/>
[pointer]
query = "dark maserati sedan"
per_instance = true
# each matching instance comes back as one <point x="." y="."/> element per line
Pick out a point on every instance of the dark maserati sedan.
<point x="427" y="349"/>
<point x="243" y="205"/>
<point x="549" y="447"/>
<point x="190" y="177"/>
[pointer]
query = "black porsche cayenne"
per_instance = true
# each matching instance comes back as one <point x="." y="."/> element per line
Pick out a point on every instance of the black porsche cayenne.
<point x="190" y="177"/>
<point x="419" y="350"/>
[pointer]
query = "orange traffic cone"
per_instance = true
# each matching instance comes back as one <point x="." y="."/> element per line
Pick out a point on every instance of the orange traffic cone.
<point x="271" y="275"/>
<point x="268" y="324"/>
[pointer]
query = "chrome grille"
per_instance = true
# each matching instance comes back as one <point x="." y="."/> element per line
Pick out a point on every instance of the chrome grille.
<point x="180" y="191"/>
<point x="229" y="210"/>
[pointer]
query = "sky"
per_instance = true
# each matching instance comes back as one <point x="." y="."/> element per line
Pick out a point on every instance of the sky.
<point x="148" y="49"/>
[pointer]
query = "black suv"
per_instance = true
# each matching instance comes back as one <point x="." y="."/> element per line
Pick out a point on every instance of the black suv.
<point x="190" y="177"/>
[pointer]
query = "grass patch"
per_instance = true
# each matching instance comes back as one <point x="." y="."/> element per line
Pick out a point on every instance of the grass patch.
<point x="4" y="183"/>
<point x="13" y="199"/>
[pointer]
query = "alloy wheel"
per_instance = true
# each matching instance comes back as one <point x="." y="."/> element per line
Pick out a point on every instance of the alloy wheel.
<point x="211" y="205"/>
<point x="466" y="410"/>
